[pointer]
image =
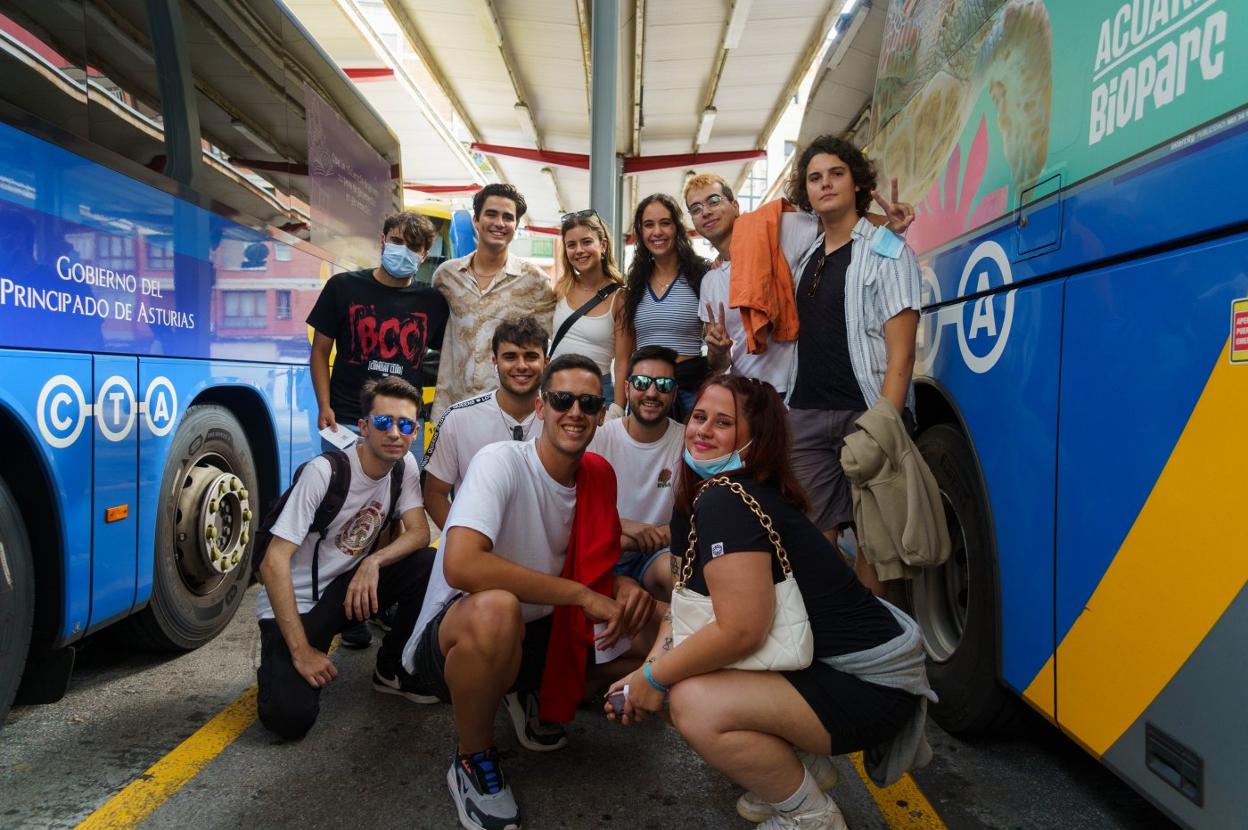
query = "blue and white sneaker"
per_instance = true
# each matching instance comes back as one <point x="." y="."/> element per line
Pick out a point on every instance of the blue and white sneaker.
<point x="482" y="797"/>
<point x="533" y="733"/>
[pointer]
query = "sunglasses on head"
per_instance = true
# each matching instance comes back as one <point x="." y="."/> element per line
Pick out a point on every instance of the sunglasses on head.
<point x="562" y="402"/>
<point x="383" y="422"/>
<point x="642" y="382"/>
<point x="578" y="214"/>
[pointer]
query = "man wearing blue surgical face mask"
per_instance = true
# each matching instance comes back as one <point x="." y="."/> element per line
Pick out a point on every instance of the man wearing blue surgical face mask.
<point x="381" y="320"/>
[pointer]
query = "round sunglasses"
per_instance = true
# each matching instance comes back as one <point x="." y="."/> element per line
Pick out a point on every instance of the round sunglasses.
<point x="383" y="422"/>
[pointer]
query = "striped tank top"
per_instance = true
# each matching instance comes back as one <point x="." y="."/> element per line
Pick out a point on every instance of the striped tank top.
<point x="671" y="320"/>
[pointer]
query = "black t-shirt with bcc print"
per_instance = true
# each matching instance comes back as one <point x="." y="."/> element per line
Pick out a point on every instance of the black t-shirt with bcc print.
<point x="825" y="374"/>
<point x="844" y="616"/>
<point x="378" y="331"/>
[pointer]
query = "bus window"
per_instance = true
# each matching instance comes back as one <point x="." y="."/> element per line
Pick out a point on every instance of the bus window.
<point x="42" y="62"/>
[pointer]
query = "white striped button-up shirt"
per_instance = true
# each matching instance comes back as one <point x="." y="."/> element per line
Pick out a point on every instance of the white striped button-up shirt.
<point x="877" y="288"/>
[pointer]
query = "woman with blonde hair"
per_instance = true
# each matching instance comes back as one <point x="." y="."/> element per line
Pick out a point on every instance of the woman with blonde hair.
<point x="587" y="314"/>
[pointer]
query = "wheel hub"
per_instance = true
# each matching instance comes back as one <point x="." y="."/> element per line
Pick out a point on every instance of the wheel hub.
<point x="214" y="526"/>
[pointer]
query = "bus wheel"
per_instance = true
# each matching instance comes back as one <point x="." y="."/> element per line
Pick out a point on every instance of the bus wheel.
<point x="956" y="604"/>
<point x="17" y="598"/>
<point x="204" y="526"/>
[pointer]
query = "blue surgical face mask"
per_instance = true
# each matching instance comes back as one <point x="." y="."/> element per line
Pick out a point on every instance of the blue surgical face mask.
<point x="887" y="244"/>
<point x="399" y="260"/>
<point x="714" y="466"/>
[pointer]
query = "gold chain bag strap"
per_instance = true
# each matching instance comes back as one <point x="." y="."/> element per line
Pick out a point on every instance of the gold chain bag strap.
<point x="790" y="643"/>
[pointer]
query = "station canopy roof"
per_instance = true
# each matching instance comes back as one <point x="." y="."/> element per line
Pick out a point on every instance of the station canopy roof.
<point x="512" y="79"/>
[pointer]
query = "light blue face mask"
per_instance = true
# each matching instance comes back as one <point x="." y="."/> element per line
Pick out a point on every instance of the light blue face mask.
<point x="714" y="466"/>
<point x="887" y="244"/>
<point x="399" y="260"/>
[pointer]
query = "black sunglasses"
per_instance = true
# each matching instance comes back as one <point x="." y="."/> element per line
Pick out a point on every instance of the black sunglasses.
<point x="642" y="382"/>
<point x="383" y="422"/>
<point x="578" y="214"/>
<point x="562" y="402"/>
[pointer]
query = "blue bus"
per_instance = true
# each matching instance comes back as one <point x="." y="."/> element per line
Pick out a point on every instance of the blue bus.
<point x="1078" y="171"/>
<point x="177" y="181"/>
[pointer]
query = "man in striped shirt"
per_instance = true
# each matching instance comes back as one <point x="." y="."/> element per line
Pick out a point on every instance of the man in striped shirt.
<point x="858" y="301"/>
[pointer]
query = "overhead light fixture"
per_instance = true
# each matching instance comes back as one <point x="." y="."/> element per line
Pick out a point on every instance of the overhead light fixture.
<point x="252" y="136"/>
<point x="525" y="119"/>
<point x="489" y="22"/>
<point x="706" y="124"/>
<point x="736" y="23"/>
<point x="846" y="37"/>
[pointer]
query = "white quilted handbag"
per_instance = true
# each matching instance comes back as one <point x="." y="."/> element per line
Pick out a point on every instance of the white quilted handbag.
<point x="790" y="643"/>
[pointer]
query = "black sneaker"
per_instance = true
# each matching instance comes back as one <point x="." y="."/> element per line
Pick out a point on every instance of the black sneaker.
<point x="531" y="732"/>
<point x="356" y="635"/>
<point x="480" y="792"/>
<point x="396" y="681"/>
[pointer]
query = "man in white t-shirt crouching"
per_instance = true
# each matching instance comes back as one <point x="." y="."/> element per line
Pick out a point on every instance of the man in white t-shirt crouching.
<point x="644" y="449"/>
<point x="486" y="619"/>
<point x="315" y="583"/>
<point x="506" y="414"/>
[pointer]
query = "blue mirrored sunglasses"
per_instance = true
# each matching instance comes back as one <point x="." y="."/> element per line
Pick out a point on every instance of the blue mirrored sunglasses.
<point x="383" y="422"/>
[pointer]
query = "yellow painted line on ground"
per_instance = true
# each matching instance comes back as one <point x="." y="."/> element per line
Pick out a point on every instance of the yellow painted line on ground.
<point x="903" y="805"/>
<point x="141" y="797"/>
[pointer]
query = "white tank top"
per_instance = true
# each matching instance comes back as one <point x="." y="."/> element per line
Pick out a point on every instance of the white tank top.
<point x="592" y="335"/>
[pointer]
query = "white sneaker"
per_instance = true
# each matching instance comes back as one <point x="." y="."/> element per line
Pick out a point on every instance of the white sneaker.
<point x="826" y="817"/>
<point x="752" y="808"/>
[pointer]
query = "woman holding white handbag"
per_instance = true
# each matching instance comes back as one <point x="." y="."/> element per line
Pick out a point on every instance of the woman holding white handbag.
<point x="748" y="671"/>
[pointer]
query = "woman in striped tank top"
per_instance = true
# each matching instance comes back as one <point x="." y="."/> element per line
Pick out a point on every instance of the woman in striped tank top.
<point x="661" y="308"/>
<point x="587" y="266"/>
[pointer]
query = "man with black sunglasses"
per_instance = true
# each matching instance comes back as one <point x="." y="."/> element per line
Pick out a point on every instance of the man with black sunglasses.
<point x="497" y="590"/>
<point x="644" y="449"/>
<point x="317" y="583"/>
<point x="504" y="414"/>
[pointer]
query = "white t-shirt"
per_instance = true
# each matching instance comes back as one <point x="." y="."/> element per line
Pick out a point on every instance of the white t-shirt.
<point x="349" y="535"/>
<point x="772" y="365"/>
<point x="508" y="496"/>
<point x="644" y="473"/>
<point x="465" y="428"/>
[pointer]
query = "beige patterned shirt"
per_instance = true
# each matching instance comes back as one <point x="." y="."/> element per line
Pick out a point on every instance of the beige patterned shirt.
<point x="465" y="368"/>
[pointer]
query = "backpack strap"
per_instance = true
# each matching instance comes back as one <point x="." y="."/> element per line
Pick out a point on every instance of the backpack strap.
<point x="331" y="503"/>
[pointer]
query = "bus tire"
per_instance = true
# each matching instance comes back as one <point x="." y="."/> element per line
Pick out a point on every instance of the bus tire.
<point x="204" y="524"/>
<point x="17" y="598"/>
<point x="957" y="604"/>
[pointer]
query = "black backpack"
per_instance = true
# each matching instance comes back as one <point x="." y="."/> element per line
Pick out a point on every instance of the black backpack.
<point x="335" y="496"/>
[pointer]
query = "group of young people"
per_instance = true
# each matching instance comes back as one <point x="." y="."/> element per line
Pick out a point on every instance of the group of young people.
<point x="583" y="431"/>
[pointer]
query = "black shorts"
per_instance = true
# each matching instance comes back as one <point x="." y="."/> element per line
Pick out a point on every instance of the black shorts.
<point x="857" y="714"/>
<point x="430" y="662"/>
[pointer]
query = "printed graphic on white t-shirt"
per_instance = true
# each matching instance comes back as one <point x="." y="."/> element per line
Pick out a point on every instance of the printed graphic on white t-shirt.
<point x="644" y="473"/>
<point x="468" y="426"/>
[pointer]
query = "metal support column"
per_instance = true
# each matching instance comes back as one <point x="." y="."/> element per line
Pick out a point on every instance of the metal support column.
<point x="604" y="177"/>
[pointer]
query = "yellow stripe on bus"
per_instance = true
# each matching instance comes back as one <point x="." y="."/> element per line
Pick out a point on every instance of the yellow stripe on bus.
<point x="1176" y="573"/>
<point x="902" y="805"/>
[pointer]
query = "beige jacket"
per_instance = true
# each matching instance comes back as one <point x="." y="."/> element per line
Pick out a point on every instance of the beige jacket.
<point x="897" y="506"/>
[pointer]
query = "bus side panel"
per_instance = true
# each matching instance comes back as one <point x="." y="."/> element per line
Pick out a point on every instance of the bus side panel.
<point x="51" y="395"/>
<point x="170" y="386"/>
<point x="1202" y="707"/>
<point x="115" y="419"/>
<point x="304" y="440"/>
<point x="1151" y="481"/>
<point x="1014" y="340"/>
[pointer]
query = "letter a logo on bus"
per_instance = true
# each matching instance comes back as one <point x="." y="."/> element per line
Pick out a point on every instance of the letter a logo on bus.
<point x="984" y="324"/>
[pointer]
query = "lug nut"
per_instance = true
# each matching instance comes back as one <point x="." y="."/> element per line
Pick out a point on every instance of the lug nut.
<point x="242" y="540"/>
<point x="242" y="494"/>
<point x="211" y="532"/>
<point x="213" y="506"/>
<point x="235" y="484"/>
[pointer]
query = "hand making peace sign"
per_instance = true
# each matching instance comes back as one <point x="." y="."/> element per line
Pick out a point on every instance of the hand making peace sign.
<point x="900" y="214"/>
<point x="717" y="339"/>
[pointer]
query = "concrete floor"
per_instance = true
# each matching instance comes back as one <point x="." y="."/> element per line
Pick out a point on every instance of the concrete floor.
<point x="378" y="761"/>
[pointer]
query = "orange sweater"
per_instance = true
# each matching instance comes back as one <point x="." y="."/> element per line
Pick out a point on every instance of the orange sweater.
<point x="593" y="551"/>
<point x="761" y="285"/>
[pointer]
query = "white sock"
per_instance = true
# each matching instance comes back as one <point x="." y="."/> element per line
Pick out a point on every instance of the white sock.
<point x="807" y="797"/>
